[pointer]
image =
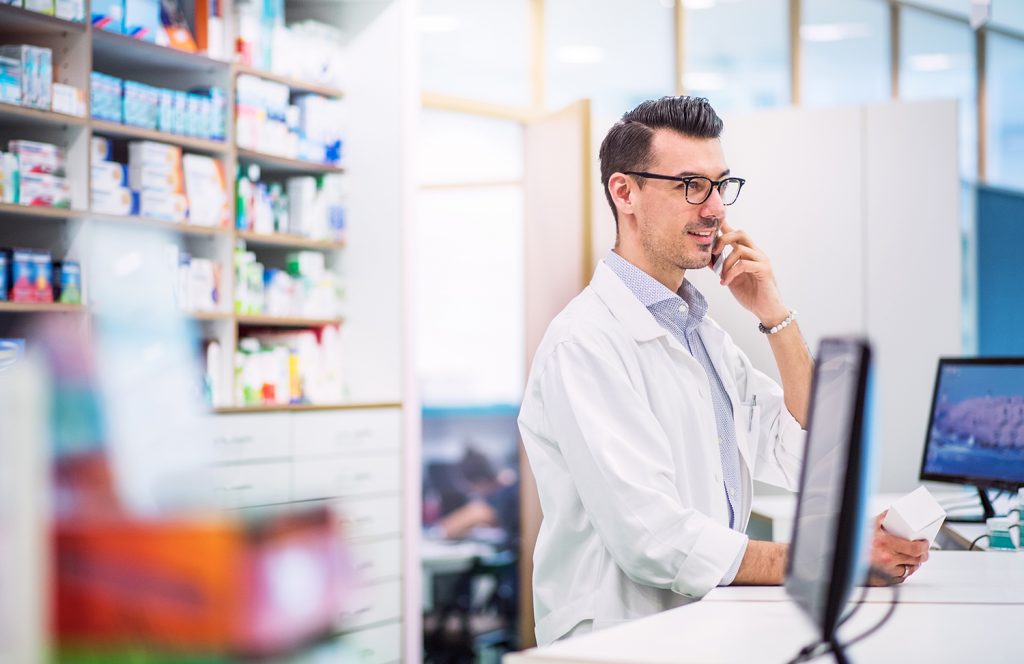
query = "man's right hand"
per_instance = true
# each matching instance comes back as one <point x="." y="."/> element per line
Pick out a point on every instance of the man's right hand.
<point x="895" y="556"/>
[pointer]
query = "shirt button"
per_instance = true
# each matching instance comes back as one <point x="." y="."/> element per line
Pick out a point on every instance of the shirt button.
<point x="720" y="442"/>
<point x="682" y="308"/>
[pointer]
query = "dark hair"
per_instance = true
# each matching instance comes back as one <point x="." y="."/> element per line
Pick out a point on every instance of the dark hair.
<point x="627" y="145"/>
<point x="476" y="467"/>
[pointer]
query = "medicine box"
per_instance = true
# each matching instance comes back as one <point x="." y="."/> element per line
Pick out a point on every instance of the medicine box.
<point x="100" y="149"/>
<point x="70" y="10"/>
<point x="9" y="177"/>
<point x="108" y="176"/>
<point x="67" y="280"/>
<point x="42" y="273"/>
<point x="107" y="15"/>
<point x="158" y="178"/>
<point x="163" y="206"/>
<point x="34" y="157"/>
<point x="118" y="201"/>
<point x="142" y="19"/>
<point x="68" y="99"/>
<point x="41" y="6"/>
<point x="10" y="80"/>
<point x="22" y="276"/>
<point x="36" y="73"/>
<point x="149" y="154"/>
<point x="5" y="279"/>
<point x="41" y="189"/>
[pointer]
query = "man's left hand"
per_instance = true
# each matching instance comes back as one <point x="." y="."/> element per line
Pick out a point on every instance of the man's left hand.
<point x="895" y="556"/>
<point x="748" y="274"/>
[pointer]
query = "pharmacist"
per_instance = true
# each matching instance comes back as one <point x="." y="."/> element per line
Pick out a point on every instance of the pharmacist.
<point x="643" y="422"/>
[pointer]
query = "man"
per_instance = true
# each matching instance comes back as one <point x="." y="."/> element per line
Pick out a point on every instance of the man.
<point x="644" y="424"/>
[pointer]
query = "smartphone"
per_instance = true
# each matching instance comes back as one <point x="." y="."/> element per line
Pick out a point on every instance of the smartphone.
<point x="718" y="260"/>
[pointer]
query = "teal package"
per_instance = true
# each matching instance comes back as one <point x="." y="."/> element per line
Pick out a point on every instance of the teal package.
<point x="142" y="19"/>
<point x="5" y="263"/>
<point x="107" y="15"/>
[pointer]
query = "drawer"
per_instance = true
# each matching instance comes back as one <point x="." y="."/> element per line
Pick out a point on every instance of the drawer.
<point x="368" y="605"/>
<point x="375" y="561"/>
<point x="347" y="432"/>
<point x="245" y="485"/>
<point x="346" y="476"/>
<point x="377" y="645"/>
<point x="248" y="437"/>
<point x="369" y="517"/>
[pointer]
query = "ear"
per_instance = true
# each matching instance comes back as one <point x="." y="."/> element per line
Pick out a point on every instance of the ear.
<point x="621" y="187"/>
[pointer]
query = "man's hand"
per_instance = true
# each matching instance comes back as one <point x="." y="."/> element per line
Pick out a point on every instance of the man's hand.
<point x="748" y="274"/>
<point x="895" y="556"/>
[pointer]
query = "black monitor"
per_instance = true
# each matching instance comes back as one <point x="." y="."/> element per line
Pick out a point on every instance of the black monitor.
<point x="976" y="428"/>
<point x="828" y="555"/>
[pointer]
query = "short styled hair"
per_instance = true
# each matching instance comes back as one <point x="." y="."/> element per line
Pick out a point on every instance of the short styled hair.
<point x="627" y="145"/>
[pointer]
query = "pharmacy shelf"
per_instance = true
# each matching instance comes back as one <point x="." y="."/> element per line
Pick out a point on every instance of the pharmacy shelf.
<point x="304" y="407"/>
<point x="115" y="130"/>
<point x="295" y="84"/>
<point x="212" y="316"/>
<point x="40" y="308"/>
<point x="274" y="164"/>
<point x="187" y="229"/>
<point x="280" y="321"/>
<point x="25" y="22"/>
<point x="36" y="211"/>
<point x="12" y="114"/>
<point x="284" y="240"/>
<point x="118" y="54"/>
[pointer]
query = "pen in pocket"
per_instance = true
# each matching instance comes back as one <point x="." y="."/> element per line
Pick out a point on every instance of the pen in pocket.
<point x="750" y="421"/>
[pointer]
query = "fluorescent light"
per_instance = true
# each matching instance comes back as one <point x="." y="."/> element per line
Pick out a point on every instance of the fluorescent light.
<point x="580" y="55"/>
<point x="433" y="23"/>
<point x="833" y="32"/>
<point x="931" y="62"/>
<point x="704" y="80"/>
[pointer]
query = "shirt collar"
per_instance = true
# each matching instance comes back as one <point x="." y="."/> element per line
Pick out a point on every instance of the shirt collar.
<point x="652" y="292"/>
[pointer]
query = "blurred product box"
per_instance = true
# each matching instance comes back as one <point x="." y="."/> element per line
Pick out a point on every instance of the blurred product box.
<point x="155" y="178"/>
<point x="152" y="155"/>
<point x="42" y="263"/>
<point x="142" y="19"/>
<point x="108" y="176"/>
<point x="35" y="157"/>
<point x="203" y="588"/>
<point x="105" y="93"/>
<point x="10" y="80"/>
<point x="67" y="282"/>
<point x="43" y="190"/>
<point x="36" y="73"/>
<point x="206" y="189"/>
<point x="31" y="276"/>
<point x="5" y="275"/>
<point x="163" y="206"/>
<point x="107" y="15"/>
<point x="118" y="201"/>
<point x="99" y="149"/>
<point x="70" y="10"/>
<point x="41" y="6"/>
<point x="69" y="100"/>
<point x="141" y="105"/>
<point x="9" y="177"/>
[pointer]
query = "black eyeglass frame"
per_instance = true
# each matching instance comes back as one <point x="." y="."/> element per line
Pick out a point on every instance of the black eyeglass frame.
<point x="715" y="184"/>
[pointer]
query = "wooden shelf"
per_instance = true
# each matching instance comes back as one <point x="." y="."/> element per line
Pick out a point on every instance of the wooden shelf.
<point x="295" y="84"/>
<point x="14" y="114"/>
<point x="116" y="130"/>
<point x="280" y="321"/>
<point x="302" y="407"/>
<point x="209" y="315"/>
<point x="37" y="211"/>
<point x="40" y="308"/>
<point x="273" y="164"/>
<point x="187" y="229"/>
<point x="25" y="22"/>
<point x="284" y="240"/>
<point x="121" y="55"/>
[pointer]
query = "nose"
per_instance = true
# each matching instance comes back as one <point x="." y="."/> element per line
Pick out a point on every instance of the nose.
<point x="713" y="206"/>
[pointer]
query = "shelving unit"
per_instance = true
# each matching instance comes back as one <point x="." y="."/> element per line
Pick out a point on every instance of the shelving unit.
<point x="380" y="109"/>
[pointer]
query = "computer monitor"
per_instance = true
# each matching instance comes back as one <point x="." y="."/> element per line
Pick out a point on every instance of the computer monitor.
<point x="828" y="555"/>
<point x="976" y="428"/>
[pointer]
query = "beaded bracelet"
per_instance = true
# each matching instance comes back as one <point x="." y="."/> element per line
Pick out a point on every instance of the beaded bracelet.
<point x="780" y="327"/>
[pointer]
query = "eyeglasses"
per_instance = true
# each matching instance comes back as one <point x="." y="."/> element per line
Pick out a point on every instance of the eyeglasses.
<point x="698" y="187"/>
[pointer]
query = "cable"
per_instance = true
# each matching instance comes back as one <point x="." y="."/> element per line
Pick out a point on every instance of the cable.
<point x="877" y="626"/>
<point x="986" y="535"/>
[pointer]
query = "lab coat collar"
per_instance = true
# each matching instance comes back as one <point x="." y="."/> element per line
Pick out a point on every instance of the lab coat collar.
<point x="624" y="305"/>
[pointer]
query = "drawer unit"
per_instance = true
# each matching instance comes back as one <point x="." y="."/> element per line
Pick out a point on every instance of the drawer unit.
<point x="377" y="645"/>
<point x="347" y="432"/>
<point x="249" y="484"/>
<point x="346" y="476"/>
<point x="377" y="561"/>
<point x="369" y="517"/>
<point x="371" y="604"/>
<point x="251" y="436"/>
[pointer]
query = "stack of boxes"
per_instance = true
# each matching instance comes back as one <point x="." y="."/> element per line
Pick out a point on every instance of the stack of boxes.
<point x="110" y="193"/>
<point x="33" y="174"/>
<point x="136" y="18"/>
<point x="69" y="10"/>
<point x="26" y="76"/>
<point x="307" y="206"/>
<point x="197" y="286"/>
<point x="28" y="275"/>
<point x="201" y="113"/>
<point x="306" y="289"/>
<point x="155" y="177"/>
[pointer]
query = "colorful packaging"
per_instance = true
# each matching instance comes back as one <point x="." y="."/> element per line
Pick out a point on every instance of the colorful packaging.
<point x="206" y="190"/>
<point x="41" y="6"/>
<point x="5" y="271"/>
<point x="105" y="93"/>
<point x="108" y="15"/>
<point x="22" y="276"/>
<point x="100" y="149"/>
<point x="149" y="154"/>
<point x="34" y="157"/>
<point x="108" y="176"/>
<point x="142" y="19"/>
<point x="163" y="206"/>
<point x="44" y="190"/>
<point x="69" y="100"/>
<point x="42" y="273"/>
<point x="70" y="10"/>
<point x="36" y="73"/>
<point x="67" y="280"/>
<point x="10" y="80"/>
<point x="155" y="178"/>
<point x="118" y="201"/>
<point x="9" y="177"/>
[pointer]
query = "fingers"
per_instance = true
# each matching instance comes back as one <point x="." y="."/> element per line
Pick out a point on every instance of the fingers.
<point x="743" y="260"/>
<point x="734" y="237"/>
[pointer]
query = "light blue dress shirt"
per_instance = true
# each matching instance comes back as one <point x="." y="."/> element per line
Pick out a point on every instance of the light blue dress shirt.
<point x="680" y="314"/>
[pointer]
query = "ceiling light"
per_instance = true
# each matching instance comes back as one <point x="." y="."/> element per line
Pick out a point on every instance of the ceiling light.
<point x="580" y="55"/>
<point x="833" y="32"/>
<point x="931" y="62"/>
<point x="433" y="23"/>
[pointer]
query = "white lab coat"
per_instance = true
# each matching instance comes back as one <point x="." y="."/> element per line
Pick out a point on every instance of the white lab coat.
<point x="620" y="430"/>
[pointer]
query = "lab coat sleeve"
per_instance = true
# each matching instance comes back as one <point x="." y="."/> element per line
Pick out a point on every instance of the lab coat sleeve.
<point x="621" y="462"/>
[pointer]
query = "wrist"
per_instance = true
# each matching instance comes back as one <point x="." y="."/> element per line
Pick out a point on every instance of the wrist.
<point x="775" y="316"/>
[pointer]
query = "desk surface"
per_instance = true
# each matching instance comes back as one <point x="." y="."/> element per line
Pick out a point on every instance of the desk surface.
<point x="727" y="632"/>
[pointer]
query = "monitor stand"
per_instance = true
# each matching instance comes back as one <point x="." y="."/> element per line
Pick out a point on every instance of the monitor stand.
<point x="987" y="510"/>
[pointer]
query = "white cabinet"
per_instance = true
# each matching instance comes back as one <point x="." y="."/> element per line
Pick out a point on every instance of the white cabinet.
<point x="377" y="645"/>
<point x="248" y="437"/>
<point x="251" y="484"/>
<point x="377" y="560"/>
<point x="350" y="432"/>
<point x="372" y="604"/>
<point x="369" y="517"/>
<point x="346" y="476"/>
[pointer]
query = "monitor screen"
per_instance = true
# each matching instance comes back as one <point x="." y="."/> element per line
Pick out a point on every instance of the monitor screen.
<point x="976" y="429"/>
<point x="826" y="558"/>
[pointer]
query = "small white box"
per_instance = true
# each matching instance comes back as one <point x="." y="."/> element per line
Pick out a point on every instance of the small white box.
<point x="115" y="201"/>
<point x="149" y="154"/>
<point x="163" y="206"/>
<point x="107" y="176"/>
<point x="148" y="178"/>
<point x="915" y="516"/>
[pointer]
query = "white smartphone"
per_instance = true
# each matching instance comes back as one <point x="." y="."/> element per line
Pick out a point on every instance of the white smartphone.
<point x="718" y="261"/>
